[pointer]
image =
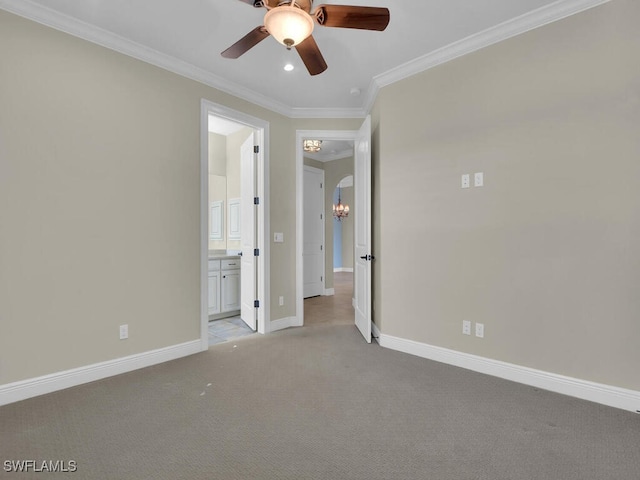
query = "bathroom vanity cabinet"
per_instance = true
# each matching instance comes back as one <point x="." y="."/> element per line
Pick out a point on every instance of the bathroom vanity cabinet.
<point x="224" y="287"/>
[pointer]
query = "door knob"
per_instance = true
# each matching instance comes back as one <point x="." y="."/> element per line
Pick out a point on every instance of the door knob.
<point x="367" y="257"/>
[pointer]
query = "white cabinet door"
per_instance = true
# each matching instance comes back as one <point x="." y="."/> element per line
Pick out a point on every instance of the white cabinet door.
<point x="213" y="289"/>
<point x="230" y="291"/>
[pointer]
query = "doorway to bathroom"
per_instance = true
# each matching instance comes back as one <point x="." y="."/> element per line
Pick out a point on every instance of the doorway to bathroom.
<point x="234" y="221"/>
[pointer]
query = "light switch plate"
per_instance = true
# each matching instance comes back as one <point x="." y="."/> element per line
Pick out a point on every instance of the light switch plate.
<point x="480" y="330"/>
<point x="278" y="237"/>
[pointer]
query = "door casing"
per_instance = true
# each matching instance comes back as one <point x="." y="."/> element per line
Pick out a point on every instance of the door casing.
<point x="261" y="136"/>
<point x="300" y="136"/>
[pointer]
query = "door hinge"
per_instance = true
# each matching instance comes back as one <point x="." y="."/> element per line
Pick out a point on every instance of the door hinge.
<point x="256" y="149"/>
<point x="256" y="252"/>
<point x="320" y="216"/>
<point x="321" y="278"/>
<point x="320" y="247"/>
<point x="256" y="200"/>
<point x="256" y="303"/>
<point x="320" y="185"/>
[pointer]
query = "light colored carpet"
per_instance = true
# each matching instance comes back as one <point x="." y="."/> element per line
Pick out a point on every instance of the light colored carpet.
<point x="317" y="402"/>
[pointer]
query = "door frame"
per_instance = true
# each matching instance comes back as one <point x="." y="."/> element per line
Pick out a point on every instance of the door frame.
<point x="261" y="130"/>
<point x="300" y="136"/>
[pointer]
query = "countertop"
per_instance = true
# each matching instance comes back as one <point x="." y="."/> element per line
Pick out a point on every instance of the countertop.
<point x="222" y="256"/>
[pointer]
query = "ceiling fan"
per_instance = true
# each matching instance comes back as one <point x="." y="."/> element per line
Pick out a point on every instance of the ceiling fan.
<point x="291" y="23"/>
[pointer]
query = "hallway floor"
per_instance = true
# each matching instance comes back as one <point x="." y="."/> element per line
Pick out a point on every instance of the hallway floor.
<point x="335" y="309"/>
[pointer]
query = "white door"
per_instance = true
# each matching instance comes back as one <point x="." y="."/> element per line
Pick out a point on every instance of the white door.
<point x="249" y="262"/>
<point x="362" y="229"/>
<point x="313" y="233"/>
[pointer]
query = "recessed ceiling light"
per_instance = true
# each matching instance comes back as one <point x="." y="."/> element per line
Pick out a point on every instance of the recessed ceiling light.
<point x="288" y="67"/>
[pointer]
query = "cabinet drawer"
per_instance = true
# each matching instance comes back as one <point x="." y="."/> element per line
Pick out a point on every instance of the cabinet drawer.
<point x="214" y="265"/>
<point x="230" y="264"/>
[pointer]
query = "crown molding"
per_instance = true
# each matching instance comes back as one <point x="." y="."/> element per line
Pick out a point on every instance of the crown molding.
<point x="329" y="157"/>
<point x="511" y="28"/>
<point x="524" y="23"/>
<point x="356" y="112"/>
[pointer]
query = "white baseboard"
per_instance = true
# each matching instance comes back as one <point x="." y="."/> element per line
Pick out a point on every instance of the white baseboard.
<point x="14" y="392"/>
<point x="343" y="269"/>
<point x="329" y="292"/>
<point x="282" y="323"/>
<point x="375" y="331"/>
<point x="595" y="392"/>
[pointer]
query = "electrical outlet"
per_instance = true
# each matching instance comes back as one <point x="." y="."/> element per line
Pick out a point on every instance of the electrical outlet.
<point x="124" y="332"/>
<point x="466" y="327"/>
<point x="480" y="330"/>
<point x="465" y="181"/>
<point x="281" y="300"/>
<point x="478" y="179"/>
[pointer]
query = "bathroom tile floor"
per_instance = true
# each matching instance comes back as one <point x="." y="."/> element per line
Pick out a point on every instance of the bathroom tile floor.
<point x="227" y="329"/>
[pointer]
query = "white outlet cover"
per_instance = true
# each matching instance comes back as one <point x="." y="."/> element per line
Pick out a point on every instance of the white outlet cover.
<point x="478" y="179"/>
<point x="466" y="327"/>
<point x="465" y="181"/>
<point x="480" y="330"/>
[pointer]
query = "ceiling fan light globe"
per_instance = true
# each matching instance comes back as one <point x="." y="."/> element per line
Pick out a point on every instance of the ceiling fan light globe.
<point x="288" y="25"/>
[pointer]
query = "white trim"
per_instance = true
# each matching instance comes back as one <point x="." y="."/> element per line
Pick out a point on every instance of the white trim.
<point x="503" y="31"/>
<point x="595" y="392"/>
<point x="529" y="21"/>
<point x="14" y="392"/>
<point x="283" y="323"/>
<point x="301" y="135"/>
<point x="330" y="157"/>
<point x="261" y="138"/>
<point x="329" y="291"/>
<point x="343" y="269"/>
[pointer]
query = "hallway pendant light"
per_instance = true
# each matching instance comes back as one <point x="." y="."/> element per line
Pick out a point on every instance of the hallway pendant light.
<point x="288" y="24"/>
<point x="340" y="211"/>
<point x="311" y="146"/>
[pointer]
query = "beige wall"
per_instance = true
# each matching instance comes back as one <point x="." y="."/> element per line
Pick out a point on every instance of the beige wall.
<point x="546" y="253"/>
<point x="100" y="200"/>
<point x="347" y="198"/>
<point x="217" y="180"/>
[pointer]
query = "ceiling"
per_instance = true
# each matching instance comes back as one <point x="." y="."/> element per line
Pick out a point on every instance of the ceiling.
<point x="187" y="37"/>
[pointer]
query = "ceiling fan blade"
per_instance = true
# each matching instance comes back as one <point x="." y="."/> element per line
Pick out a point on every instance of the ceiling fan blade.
<point x="346" y="16"/>
<point x="311" y="56"/>
<point x="246" y="43"/>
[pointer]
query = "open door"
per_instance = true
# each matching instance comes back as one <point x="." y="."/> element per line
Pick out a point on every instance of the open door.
<point x="249" y="261"/>
<point x="362" y="229"/>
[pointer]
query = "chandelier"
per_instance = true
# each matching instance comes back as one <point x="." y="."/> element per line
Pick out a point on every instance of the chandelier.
<point x="340" y="211"/>
<point x="311" y="146"/>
